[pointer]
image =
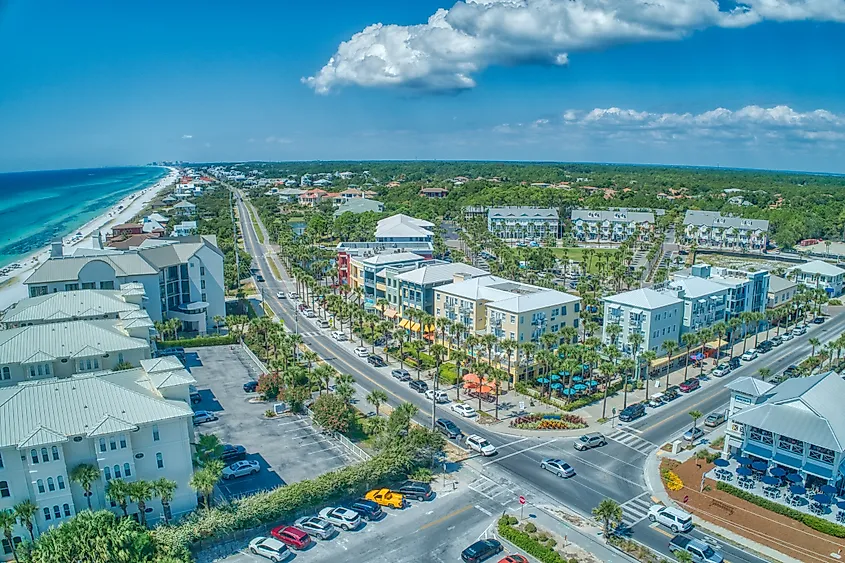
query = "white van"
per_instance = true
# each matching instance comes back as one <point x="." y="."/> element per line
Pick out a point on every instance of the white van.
<point x="339" y="335"/>
<point x="673" y="518"/>
<point x="323" y="323"/>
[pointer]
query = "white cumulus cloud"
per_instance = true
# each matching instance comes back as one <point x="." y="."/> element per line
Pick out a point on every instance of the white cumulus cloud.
<point x="445" y="53"/>
<point x="187" y="136"/>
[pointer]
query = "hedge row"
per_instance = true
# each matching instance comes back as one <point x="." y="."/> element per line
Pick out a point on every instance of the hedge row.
<point x="814" y="522"/>
<point x="198" y="342"/>
<point x="527" y="543"/>
<point x="280" y="504"/>
<point x="524" y="389"/>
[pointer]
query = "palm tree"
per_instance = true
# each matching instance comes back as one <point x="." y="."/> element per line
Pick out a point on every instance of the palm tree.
<point x="607" y="370"/>
<point x="324" y="374"/>
<point x="508" y="347"/>
<point x="116" y="491"/>
<point x="417" y="346"/>
<point x="719" y="329"/>
<point x="733" y="324"/>
<point x="813" y="343"/>
<point x="704" y="335"/>
<point x="670" y="346"/>
<point x="689" y="340"/>
<point x="164" y="488"/>
<point x="758" y="318"/>
<point x="85" y="475"/>
<point x="764" y="373"/>
<point x="377" y="397"/>
<point x="208" y="447"/>
<point x="7" y="524"/>
<point x="746" y="318"/>
<point x="528" y="349"/>
<point x="695" y="415"/>
<point x="609" y="514"/>
<point x="496" y="377"/>
<point x="140" y="492"/>
<point x="25" y="512"/>
<point x="400" y="335"/>
<point x="649" y="356"/>
<point x="204" y="480"/>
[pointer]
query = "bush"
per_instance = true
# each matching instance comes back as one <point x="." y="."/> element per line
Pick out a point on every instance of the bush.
<point x="538" y="421"/>
<point x="545" y="553"/>
<point x="449" y="373"/>
<point x="270" y="413"/>
<point x="835" y="303"/>
<point x="332" y="412"/>
<point x="269" y="386"/>
<point x="530" y="528"/>
<point x="809" y="520"/>
<point x="423" y="474"/>
<point x="198" y="342"/>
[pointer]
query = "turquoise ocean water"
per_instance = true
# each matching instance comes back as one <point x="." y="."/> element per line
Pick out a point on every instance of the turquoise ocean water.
<point x="35" y="207"/>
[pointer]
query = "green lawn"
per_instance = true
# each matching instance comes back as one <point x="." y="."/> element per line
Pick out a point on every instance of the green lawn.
<point x="577" y="254"/>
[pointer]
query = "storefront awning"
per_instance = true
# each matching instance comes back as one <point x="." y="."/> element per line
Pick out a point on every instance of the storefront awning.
<point x="430" y="328"/>
<point x="415" y="327"/>
<point x="787" y="460"/>
<point x="390" y="313"/>
<point x="823" y="472"/>
<point x="404" y="323"/>
<point x="757" y="451"/>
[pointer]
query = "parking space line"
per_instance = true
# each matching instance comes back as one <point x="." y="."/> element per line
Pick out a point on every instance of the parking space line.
<point x="314" y="443"/>
<point x="498" y="459"/>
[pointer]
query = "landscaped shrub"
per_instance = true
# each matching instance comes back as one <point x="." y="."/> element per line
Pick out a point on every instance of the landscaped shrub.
<point x="538" y="421"/>
<point x="673" y="482"/>
<point x="530" y="528"/>
<point x="198" y="342"/>
<point x="809" y="520"/>
<point x="545" y="553"/>
<point x="449" y="373"/>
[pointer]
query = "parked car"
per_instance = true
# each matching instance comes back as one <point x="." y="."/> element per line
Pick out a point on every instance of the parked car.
<point x="749" y="355"/>
<point x="401" y="374"/>
<point x="714" y="419"/>
<point x="734" y="362"/>
<point x="323" y="323"/>
<point x="721" y="370"/>
<point x="799" y="330"/>
<point x="386" y="497"/>
<point x="675" y="519"/>
<point x="693" y="434"/>
<point x="765" y="347"/>
<point x="316" y="527"/>
<point x="281" y="295"/>
<point x="440" y="396"/>
<point x="195" y="396"/>
<point x="818" y="320"/>
<point x="656" y="400"/>
<point x="558" y="467"/>
<point x="478" y="444"/>
<point x="418" y="385"/>
<point x="291" y="536"/>
<point x="241" y="469"/>
<point x="791" y="371"/>
<point x="589" y="441"/>
<point x="415" y="489"/>
<point x="481" y="550"/>
<point x="201" y="417"/>
<point x="367" y="509"/>
<point x="671" y="394"/>
<point x="697" y="549"/>
<point x="463" y="409"/>
<point x="362" y="352"/>
<point x="339" y="335"/>
<point x="376" y="361"/>
<point x="341" y="517"/>
<point x="632" y="412"/>
<point x="309" y="313"/>
<point x="787" y="336"/>
<point x="269" y="548"/>
<point x="515" y="558"/>
<point x="232" y="453"/>
<point x="776" y="341"/>
<point x="447" y="427"/>
<point x="689" y="385"/>
<point x="293" y="295"/>
<point x="250" y="386"/>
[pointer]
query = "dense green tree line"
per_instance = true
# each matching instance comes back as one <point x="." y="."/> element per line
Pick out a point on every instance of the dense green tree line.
<point x="213" y="211"/>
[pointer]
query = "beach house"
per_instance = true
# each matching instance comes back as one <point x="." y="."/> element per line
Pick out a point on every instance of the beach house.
<point x="523" y="223"/>
<point x="819" y="274"/>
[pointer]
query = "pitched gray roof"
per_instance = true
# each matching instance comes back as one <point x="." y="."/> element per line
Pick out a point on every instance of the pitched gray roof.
<point x="645" y="298"/>
<point x="438" y="273"/>
<point x="515" y="212"/>
<point x="392" y="258"/>
<point x="613" y="215"/>
<point x="777" y="283"/>
<point x="67" y="268"/>
<point x="67" y="305"/>
<point x="697" y="287"/>
<point x="819" y="267"/>
<point x="359" y="205"/>
<point x="716" y="219"/>
<point x="749" y="386"/>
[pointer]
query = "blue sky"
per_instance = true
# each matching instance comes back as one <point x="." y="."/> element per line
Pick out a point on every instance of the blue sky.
<point x="679" y="82"/>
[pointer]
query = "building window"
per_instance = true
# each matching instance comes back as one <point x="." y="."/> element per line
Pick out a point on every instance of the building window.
<point x="89" y="285"/>
<point x="66" y="508"/>
<point x="40" y="484"/>
<point x="202" y="270"/>
<point x="55" y="453"/>
<point x="112" y="443"/>
<point x="33" y="455"/>
<point x="202" y="284"/>
<point x="120" y="357"/>
<point x="61" y="481"/>
<point x="51" y="485"/>
<point x="71" y="286"/>
<point x="127" y="470"/>
<point x="159" y="461"/>
<point x="7" y="373"/>
<point x="155" y="433"/>
<point x="102" y="444"/>
<point x="117" y="472"/>
<point x="1" y="461"/>
<point x="107" y="285"/>
<point x="47" y="514"/>
<point x="818" y="453"/>
<point x="7" y="547"/>
<point x="4" y="489"/>
<point x="107" y="473"/>
<point x="760" y="435"/>
<point x="56" y="512"/>
<point x="791" y="444"/>
<point x="122" y="441"/>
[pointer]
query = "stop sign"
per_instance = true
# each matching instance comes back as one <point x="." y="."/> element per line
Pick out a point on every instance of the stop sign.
<point x="521" y="500"/>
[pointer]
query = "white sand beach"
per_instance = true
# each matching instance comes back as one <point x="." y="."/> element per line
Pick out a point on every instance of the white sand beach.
<point x="12" y="288"/>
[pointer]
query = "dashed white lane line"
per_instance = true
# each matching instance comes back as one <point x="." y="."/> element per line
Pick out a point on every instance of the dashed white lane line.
<point x="498" y="459"/>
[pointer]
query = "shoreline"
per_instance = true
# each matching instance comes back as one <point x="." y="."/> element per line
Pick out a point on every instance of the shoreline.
<point x="12" y="288"/>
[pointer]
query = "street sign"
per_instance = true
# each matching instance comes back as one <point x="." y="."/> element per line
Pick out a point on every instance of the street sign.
<point x="521" y="500"/>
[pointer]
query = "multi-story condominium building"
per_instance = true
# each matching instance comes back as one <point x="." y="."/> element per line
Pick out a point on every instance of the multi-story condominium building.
<point x="523" y="223"/>
<point x="131" y="425"/>
<point x="713" y="230"/>
<point x="182" y="278"/>
<point x="614" y="225"/>
<point x="402" y="228"/>
<point x="85" y="304"/>
<point x="412" y="287"/>
<point x="747" y="291"/>
<point x="705" y="301"/>
<point x="798" y="425"/>
<point x="363" y="271"/>
<point x="781" y="291"/>
<point x="348" y="251"/>
<point x="507" y="309"/>
<point x="819" y="274"/>
<point x="657" y="315"/>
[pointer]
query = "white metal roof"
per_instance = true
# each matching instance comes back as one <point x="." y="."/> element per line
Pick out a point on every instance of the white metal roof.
<point x="67" y="305"/>
<point x="516" y="212"/>
<point x="507" y="295"/>
<point x="439" y="272"/>
<point x="819" y="267"/>
<point x="644" y="298"/>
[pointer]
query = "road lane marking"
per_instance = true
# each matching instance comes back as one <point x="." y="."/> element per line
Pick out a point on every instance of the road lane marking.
<point x="498" y="459"/>
<point x="603" y="470"/>
<point x="515" y="442"/>
<point x="484" y="510"/>
<point x="444" y="518"/>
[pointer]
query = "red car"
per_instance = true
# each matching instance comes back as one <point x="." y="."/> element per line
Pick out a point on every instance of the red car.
<point x="514" y="559"/>
<point x="291" y="536"/>
<point x="689" y="385"/>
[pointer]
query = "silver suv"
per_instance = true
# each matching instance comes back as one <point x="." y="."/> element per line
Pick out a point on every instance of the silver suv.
<point x="588" y="441"/>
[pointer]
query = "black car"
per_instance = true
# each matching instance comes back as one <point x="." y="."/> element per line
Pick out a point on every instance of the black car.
<point x="418" y="386"/>
<point x="447" y="427"/>
<point x="231" y="454"/>
<point x="376" y="361"/>
<point x="632" y="412"/>
<point x="765" y="346"/>
<point x="416" y="489"/>
<point x="735" y="362"/>
<point x="818" y="320"/>
<point x="481" y="550"/>
<point x="671" y="393"/>
<point x="367" y="509"/>
<point x="259" y="278"/>
<point x="195" y="397"/>
<point x="250" y="386"/>
<point x="791" y="371"/>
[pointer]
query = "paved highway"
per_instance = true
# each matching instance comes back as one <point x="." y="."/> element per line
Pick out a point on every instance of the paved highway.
<point x="614" y="471"/>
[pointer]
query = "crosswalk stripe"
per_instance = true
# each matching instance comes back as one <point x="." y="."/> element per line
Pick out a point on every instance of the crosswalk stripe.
<point x="630" y="440"/>
<point x="635" y="510"/>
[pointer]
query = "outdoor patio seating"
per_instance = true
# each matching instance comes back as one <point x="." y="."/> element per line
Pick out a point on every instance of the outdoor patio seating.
<point x="794" y="500"/>
<point x="816" y="508"/>
<point x="746" y="483"/>
<point x="772" y="492"/>
<point x="840" y="516"/>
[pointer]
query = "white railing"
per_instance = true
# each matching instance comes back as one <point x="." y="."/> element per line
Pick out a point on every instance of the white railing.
<point x="254" y="358"/>
<point x="344" y="441"/>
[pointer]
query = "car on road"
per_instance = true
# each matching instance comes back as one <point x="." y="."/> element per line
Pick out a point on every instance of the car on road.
<point x="515" y="558"/>
<point x="776" y="341"/>
<point x="241" y="469"/>
<point x="231" y="454"/>
<point x="799" y="330"/>
<point x="339" y="335"/>
<point x="749" y="355"/>
<point x="478" y="444"/>
<point x="765" y="347"/>
<point x="250" y="386"/>
<point x="675" y="519"/>
<point x="376" y="361"/>
<point x="447" y="427"/>
<point x="698" y="551"/>
<point x="481" y="550"/>
<point x="269" y="548"/>
<point x="341" y="517"/>
<point x="558" y="467"/>
<point x="787" y="336"/>
<point x="362" y="352"/>
<point x="281" y="295"/>
<point x="259" y="278"/>
<point x="791" y="371"/>
<point x="714" y="419"/>
<point x="291" y="536"/>
<point x="734" y="362"/>
<point x="386" y="497"/>
<point x="309" y="313"/>
<point x="589" y="441"/>
<point x="316" y="527"/>
<point x="463" y="409"/>
<point x="367" y="509"/>
<point x="401" y="374"/>
<point x="418" y="385"/>
<point x="440" y="396"/>
<point x="201" y="417"/>
<point x="292" y="295"/>
<point x="721" y="370"/>
<point x="818" y="320"/>
<point x="632" y="412"/>
<point x="693" y="434"/>
<point x="689" y="385"/>
<point x="416" y="490"/>
<point x="323" y="323"/>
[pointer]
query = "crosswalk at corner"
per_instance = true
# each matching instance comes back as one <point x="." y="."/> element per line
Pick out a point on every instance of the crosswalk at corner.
<point x="631" y="440"/>
<point x="635" y="510"/>
<point x="502" y="493"/>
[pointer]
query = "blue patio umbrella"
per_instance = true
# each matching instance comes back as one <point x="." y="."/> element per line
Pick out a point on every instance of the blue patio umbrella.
<point x="743" y="471"/>
<point x="556" y="385"/>
<point x="564" y="373"/>
<point x="721" y="462"/>
<point x="542" y="380"/>
<point x="577" y="378"/>
<point x="828" y="489"/>
<point x="742" y="460"/>
<point x="569" y="391"/>
<point x="579" y="386"/>
<point x="554" y="377"/>
<point x="778" y="471"/>
<point x="821" y="499"/>
<point x="585" y="366"/>
<point x="794" y="478"/>
<point x="759" y="466"/>
<point x="841" y="505"/>
<point x="592" y="383"/>
<point x="797" y="489"/>
<point x="769" y="480"/>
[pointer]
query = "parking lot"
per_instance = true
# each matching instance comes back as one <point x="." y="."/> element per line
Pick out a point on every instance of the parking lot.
<point x="288" y="448"/>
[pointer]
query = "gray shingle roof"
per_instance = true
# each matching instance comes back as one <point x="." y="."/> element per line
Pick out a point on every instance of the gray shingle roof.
<point x="515" y="212"/>
<point x="614" y="216"/>
<point x="716" y="219"/>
